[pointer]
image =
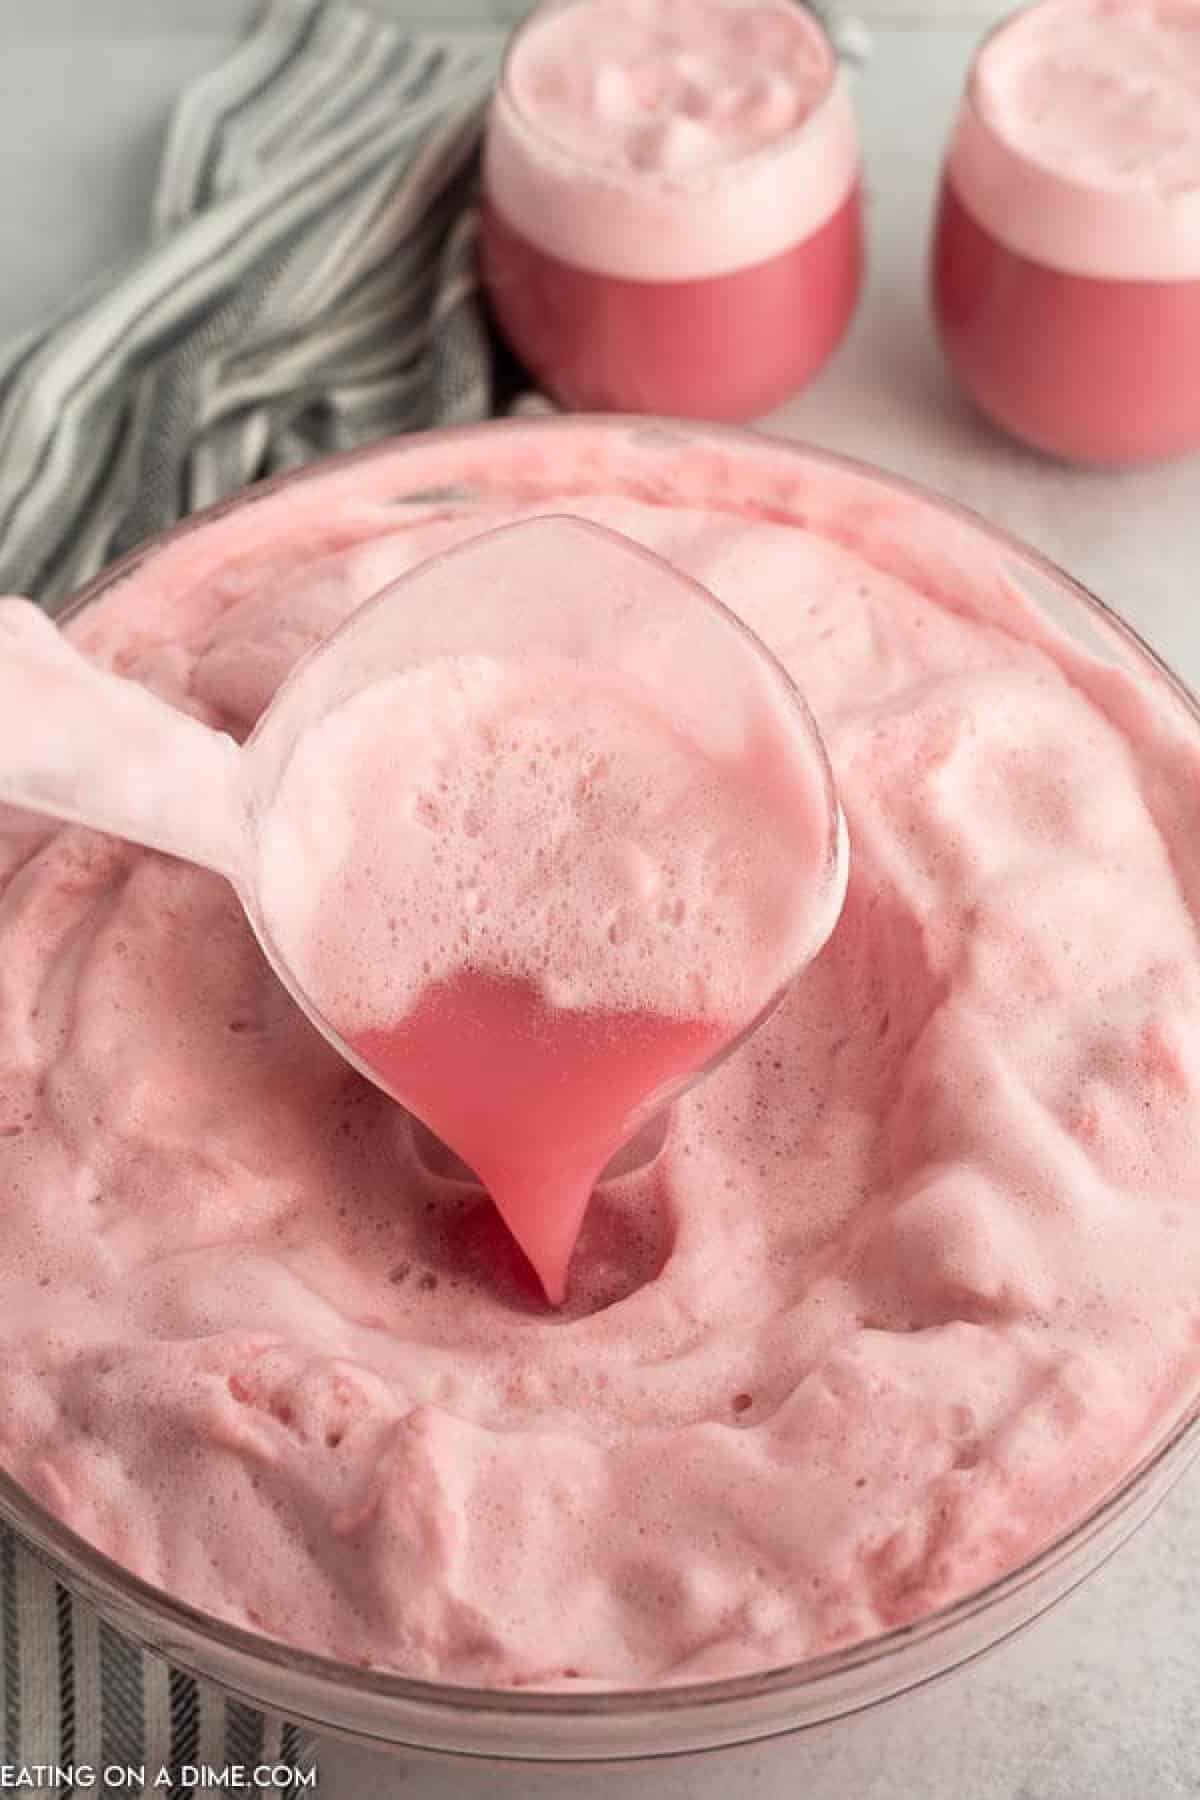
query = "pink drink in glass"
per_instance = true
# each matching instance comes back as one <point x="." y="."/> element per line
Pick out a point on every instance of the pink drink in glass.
<point x="671" y="217"/>
<point x="1066" y="259"/>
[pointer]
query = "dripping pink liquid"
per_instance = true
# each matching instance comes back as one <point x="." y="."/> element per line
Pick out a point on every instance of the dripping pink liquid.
<point x="535" y="1098"/>
<point x="533" y="896"/>
<point x="1095" y="370"/>
<point x="727" y="346"/>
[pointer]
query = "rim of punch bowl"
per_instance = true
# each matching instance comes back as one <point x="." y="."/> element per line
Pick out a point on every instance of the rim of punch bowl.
<point x="161" y="1621"/>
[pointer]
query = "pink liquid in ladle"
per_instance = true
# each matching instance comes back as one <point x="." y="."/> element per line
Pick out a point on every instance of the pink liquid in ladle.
<point x="539" y="886"/>
<point x="533" y="1097"/>
<point x="535" y="839"/>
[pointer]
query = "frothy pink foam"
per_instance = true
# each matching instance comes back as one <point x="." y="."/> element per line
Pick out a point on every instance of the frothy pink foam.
<point x="913" y="1282"/>
<point x="530" y="866"/>
<point x="672" y="86"/>
<point x="1080" y="143"/>
<point x="672" y="140"/>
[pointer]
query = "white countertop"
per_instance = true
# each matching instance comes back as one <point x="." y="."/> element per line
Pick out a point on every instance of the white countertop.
<point x="1099" y="1701"/>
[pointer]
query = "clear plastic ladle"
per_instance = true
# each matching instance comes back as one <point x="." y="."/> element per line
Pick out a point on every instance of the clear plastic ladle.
<point x="89" y="747"/>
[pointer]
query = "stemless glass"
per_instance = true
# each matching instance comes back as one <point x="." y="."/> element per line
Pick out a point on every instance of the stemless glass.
<point x="1070" y="312"/>
<point x="703" y="293"/>
<point x="948" y="551"/>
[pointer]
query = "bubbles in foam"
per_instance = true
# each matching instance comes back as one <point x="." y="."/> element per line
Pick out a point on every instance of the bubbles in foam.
<point x="578" y="848"/>
<point x="1100" y="91"/>
<point x="698" y="83"/>
<point x="778" y="1175"/>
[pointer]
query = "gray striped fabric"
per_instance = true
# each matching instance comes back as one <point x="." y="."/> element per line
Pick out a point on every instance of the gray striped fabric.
<point x="309" y="285"/>
<point x="76" y="1695"/>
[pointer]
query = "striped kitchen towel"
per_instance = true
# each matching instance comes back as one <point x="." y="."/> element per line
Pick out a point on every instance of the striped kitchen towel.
<point x="85" y="1711"/>
<point x="309" y="285"/>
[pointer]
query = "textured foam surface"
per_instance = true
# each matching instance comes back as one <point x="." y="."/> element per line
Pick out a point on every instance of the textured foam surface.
<point x="1081" y="147"/>
<point x="1106" y="92"/>
<point x="670" y="139"/>
<point x="542" y="820"/>
<point x="670" y="85"/>
<point x="912" y="1283"/>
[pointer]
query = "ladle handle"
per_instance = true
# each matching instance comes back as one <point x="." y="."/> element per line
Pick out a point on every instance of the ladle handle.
<point x="89" y="747"/>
